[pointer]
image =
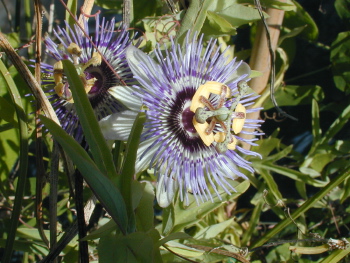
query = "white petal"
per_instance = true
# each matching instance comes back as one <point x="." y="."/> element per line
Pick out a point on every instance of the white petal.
<point x="144" y="155"/>
<point x="166" y="189"/>
<point x="135" y="58"/>
<point x="118" y="126"/>
<point x="124" y="95"/>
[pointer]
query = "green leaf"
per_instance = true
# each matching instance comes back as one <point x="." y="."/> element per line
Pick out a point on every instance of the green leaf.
<point x="343" y="146"/>
<point x="220" y="24"/>
<point x="27" y="246"/>
<point x="253" y="222"/>
<point x="272" y="185"/>
<point x="340" y="50"/>
<point x="144" y="212"/>
<point x="23" y="159"/>
<point x="300" y="18"/>
<point x="316" y="128"/>
<point x="136" y="247"/>
<point x="72" y="5"/>
<point x="141" y="9"/>
<point x="336" y="255"/>
<point x="319" y="161"/>
<point x="189" y="215"/>
<point x="277" y="4"/>
<point x="193" y="20"/>
<point x="172" y="236"/>
<point x="213" y="231"/>
<point x="184" y="250"/>
<point x="266" y="146"/>
<point x="295" y="175"/>
<point x="98" y="146"/>
<point x="168" y="219"/>
<point x="309" y="203"/>
<point x="279" y="155"/>
<point x="104" y="189"/>
<point x="296" y="95"/>
<point x="102" y="231"/>
<point x="14" y="39"/>
<point x="224" y="17"/>
<point x="128" y="168"/>
<point x="237" y="14"/>
<point x="343" y="9"/>
<point x="292" y="33"/>
<point x="346" y="190"/>
<point x="336" y="126"/>
<point x="7" y="111"/>
<point x="109" y="4"/>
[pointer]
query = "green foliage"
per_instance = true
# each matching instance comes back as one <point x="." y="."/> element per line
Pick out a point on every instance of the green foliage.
<point x="300" y="18"/>
<point x="340" y="51"/>
<point x="314" y="183"/>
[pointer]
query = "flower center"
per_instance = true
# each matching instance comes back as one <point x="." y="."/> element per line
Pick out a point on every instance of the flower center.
<point x="186" y="120"/>
<point x="207" y="115"/>
<point x="88" y="74"/>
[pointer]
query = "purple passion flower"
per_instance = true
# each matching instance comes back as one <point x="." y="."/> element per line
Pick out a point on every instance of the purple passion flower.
<point x="103" y="79"/>
<point x="196" y="101"/>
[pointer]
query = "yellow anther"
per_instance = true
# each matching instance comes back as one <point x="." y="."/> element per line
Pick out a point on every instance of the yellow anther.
<point x="220" y="137"/>
<point x="58" y="72"/>
<point x="201" y="91"/>
<point x="58" y="67"/>
<point x="96" y="59"/>
<point x="200" y="128"/>
<point x="237" y="124"/>
<point x="59" y="89"/>
<point x="216" y="88"/>
<point x="205" y="90"/>
<point x="64" y="92"/>
<point x="57" y="77"/>
<point x="88" y="83"/>
<point x="67" y="95"/>
<point x="74" y="49"/>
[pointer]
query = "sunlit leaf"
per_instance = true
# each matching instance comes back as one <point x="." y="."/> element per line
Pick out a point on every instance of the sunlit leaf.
<point x="189" y="215"/>
<point x="300" y="18"/>
<point x="213" y="230"/>
<point x="144" y="210"/>
<point x="104" y="189"/>
<point x="296" y="95"/>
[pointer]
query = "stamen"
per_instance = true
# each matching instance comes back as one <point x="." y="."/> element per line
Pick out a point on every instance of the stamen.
<point x="205" y="90"/>
<point x="74" y="49"/>
<point x="220" y="137"/>
<point x="96" y="60"/>
<point x="59" y="89"/>
<point x="237" y="123"/>
<point x="58" y="72"/>
<point x="207" y="115"/>
<point x="88" y="83"/>
<point x="208" y="139"/>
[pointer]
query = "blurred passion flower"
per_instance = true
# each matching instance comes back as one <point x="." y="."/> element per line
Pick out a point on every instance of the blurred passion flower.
<point x="196" y="103"/>
<point x="104" y="72"/>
